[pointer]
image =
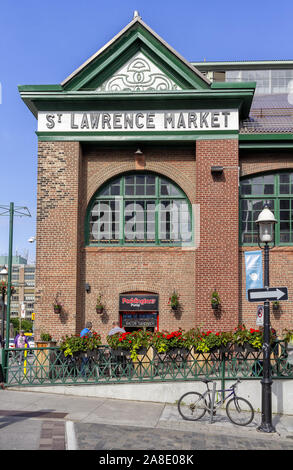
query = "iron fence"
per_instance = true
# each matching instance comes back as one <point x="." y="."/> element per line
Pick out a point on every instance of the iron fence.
<point x="49" y="366"/>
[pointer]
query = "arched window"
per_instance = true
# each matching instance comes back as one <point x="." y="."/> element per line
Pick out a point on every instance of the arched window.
<point x="275" y="189"/>
<point x="139" y="209"/>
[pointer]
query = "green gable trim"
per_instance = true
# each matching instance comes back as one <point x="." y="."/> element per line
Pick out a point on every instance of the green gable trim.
<point x="139" y="36"/>
<point x="233" y="85"/>
<point x="164" y="66"/>
<point x="36" y="88"/>
<point x="265" y="136"/>
<point x="265" y="141"/>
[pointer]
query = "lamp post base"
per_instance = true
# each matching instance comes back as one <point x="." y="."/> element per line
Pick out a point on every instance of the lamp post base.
<point x="266" y="415"/>
<point x="266" y="427"/>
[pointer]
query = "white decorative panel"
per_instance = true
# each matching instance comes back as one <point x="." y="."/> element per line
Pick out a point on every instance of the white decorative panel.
<point x="139" y="74"/>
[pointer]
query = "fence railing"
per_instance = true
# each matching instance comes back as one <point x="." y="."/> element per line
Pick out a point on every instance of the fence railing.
<point x="49" y="366"/>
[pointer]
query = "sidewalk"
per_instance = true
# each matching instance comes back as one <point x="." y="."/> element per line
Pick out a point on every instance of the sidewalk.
<point x="36" y="408"/>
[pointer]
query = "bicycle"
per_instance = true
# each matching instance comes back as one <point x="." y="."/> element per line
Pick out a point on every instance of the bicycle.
<point x="193" y="405"/>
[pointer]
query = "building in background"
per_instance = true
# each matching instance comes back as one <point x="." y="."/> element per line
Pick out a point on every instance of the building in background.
<point x="23" y="281"/>
<point x="271" y="76"/>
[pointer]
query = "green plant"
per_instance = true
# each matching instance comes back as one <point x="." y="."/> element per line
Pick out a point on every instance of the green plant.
<point x="255" y="338"/>
<point x="3" y="288"/>
<point x="56" y="304"/>
<point x="74" y="343"/>
<point x="46" y="337"/>
<point x="26" y="325"/>
<point x="215" y="298"/>
<point x="192" y="337"/>
<point x="288" y="335"/>
<point x="159" y="341"/>
<point x="240" y="335"/>
<point x="213" y="340"/>
<point x="174" y="300"/>
<point x="130" y="341"/>
<point x="99" y="304"/>
<point x="226" y="338"/>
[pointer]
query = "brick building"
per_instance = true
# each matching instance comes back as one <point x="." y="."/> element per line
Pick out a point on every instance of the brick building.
<point x="150" y="178"/>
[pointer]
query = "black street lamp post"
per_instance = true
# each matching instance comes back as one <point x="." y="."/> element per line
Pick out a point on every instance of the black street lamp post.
<point x="266" y="224"/>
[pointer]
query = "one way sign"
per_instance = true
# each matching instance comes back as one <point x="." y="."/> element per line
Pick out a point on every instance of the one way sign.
<point x="269" y="293"/>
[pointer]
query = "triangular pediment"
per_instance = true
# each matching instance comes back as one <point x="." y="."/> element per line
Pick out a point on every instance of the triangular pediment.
<point x="136" y="60"/>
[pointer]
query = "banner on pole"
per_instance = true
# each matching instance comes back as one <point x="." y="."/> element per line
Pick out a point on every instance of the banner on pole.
<point x="253" y="270"/>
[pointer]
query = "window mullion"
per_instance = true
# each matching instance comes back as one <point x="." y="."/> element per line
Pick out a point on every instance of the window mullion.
<point x="157" y="218"/>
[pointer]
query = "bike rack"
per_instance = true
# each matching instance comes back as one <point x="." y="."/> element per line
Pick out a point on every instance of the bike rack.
<point x="213" y="401"/>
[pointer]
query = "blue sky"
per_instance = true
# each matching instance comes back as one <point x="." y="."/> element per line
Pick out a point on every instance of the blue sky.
<point x="43" y="42"/>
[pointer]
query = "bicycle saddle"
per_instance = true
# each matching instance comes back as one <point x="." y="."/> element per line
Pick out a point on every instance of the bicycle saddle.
<point x="206" y="381"/>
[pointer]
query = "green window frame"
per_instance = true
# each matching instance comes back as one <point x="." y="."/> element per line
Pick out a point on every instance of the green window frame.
<point x="274" y="189"/>
<point x="139" y="209"/>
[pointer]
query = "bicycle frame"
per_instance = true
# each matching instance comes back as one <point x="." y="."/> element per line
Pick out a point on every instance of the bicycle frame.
<point x="220" y="402"/>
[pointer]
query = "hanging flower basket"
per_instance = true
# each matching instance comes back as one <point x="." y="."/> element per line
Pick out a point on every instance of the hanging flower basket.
<point x="174" y="301"/>
<point x="99" y="305"/>
<point x="215" y="300"/>
<point x="57" y="308"/>
<point x="215" y="306"/>
<point x="56" y="304"/>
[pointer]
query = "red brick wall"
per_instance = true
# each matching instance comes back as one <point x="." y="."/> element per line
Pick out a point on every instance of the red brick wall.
<point x="58" y="236"/>
<point x="217" y="255"/>
<point x="281" y="258"/>
<point x="160" y="270"/>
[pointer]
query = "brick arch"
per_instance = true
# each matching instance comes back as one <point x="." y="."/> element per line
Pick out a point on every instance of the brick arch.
<point x="131" y="287"/>
<point x="96" y="181"/>
<point x="251" y="169"/>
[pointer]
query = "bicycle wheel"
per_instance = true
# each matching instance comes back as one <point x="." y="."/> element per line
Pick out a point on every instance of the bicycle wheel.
<point x="192" y="406"/>
<point x="239" y="411"/>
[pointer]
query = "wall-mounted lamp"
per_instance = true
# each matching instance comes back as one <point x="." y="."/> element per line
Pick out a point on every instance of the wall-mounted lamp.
<point x="138" y="152"/>
<point x="87" y="287"/>
<point x="217" y="169"/>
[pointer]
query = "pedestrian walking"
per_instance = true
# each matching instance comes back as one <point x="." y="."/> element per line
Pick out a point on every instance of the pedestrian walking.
<point x="85" y="332"/>
<point x="120" y="360"/>
<point x="21" y="341"/>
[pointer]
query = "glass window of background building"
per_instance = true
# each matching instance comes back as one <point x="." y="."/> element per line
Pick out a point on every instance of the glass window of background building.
<point x="267" y="81"/>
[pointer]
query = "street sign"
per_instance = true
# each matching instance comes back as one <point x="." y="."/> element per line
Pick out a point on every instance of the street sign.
<point x="259" y="315"/>
<point x="22" y="311"/>
<point x="268" y="293"/>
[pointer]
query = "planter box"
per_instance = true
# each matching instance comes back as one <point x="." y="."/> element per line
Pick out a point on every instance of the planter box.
<point x="142" y="364"/>
<point x="120" y="353"/>
<point x="201" y="363"/>
<point x="245" y="348"/>
<point x="44" y="358"/>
